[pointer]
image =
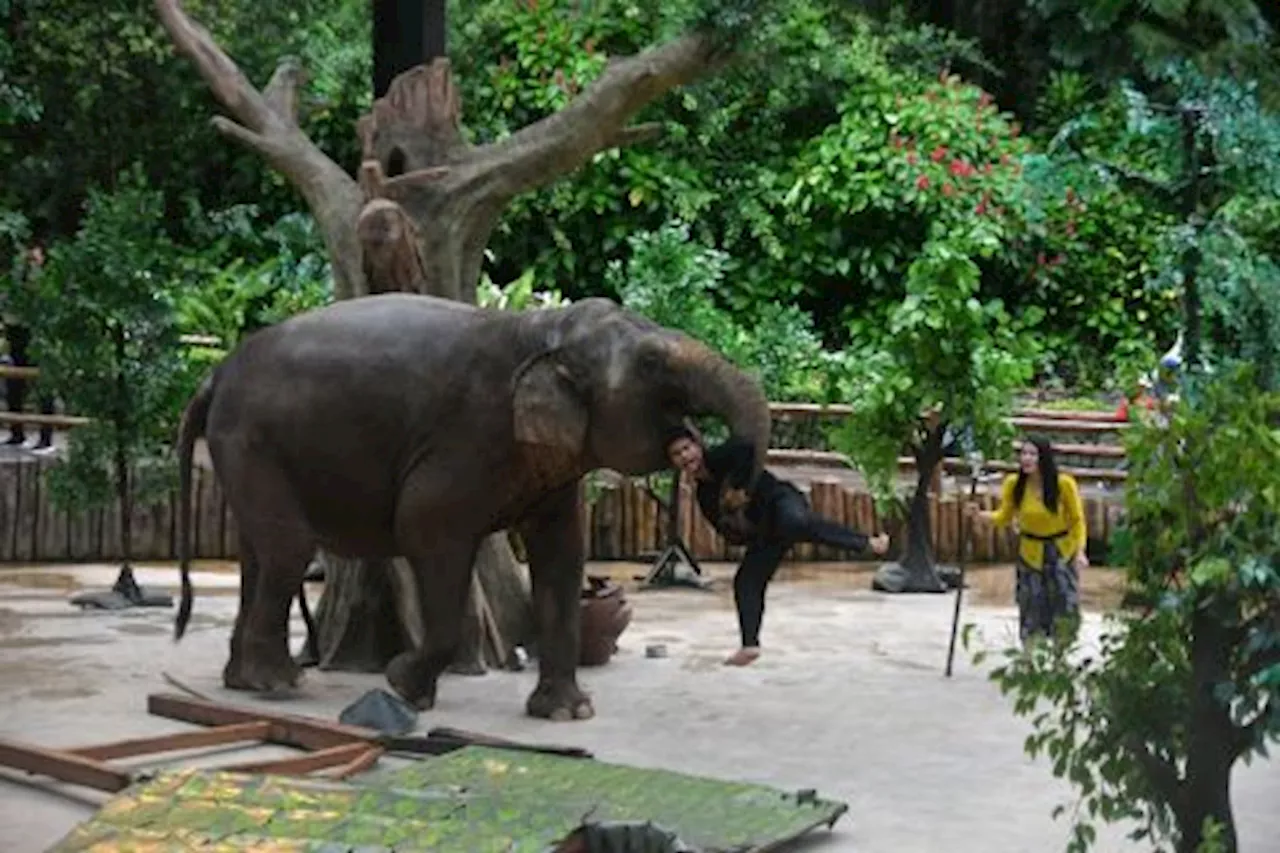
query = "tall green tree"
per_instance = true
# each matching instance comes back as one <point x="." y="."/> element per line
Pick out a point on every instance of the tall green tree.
<point x="106" y="339"/>
<point x="1151" y="729"/>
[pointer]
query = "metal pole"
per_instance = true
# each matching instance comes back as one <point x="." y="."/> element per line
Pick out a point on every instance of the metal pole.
<point x="966" y="533"/>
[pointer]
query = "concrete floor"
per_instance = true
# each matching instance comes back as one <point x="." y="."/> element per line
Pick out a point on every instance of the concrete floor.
<point x="850" y="699"/>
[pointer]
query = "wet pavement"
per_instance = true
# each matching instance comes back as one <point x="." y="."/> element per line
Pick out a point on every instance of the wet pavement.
<point x="849" y="699"/>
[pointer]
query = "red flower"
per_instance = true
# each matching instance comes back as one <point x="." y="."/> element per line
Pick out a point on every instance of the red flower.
<point x="939" y="154"/>
<point x="985" y="100"/>
<point x="948" y="190"/>
<point x="981" y="208"/>
<point x="960" y="168"/>
<point x="922" y="182"/>
<point x="912" y="159"/>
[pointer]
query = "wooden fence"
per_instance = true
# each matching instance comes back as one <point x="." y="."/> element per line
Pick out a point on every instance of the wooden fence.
<point x="623" y="523"/>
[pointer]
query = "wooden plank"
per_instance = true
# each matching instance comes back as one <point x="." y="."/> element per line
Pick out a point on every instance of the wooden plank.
<point x="13" y="371"/>
<point x="28" y="510"/>
<point x="1102" y="451"/>
<point x="286" y="729"/>
<point x="830" y="409"/>
<point x="1052" y="425"/>
<point x="318" y="760"/>
<point x="55" y="421"/>
<point x="1067" y="414"/>
<point x="809" y="457"/>
<point x="217" y="736"/>
<point x="8" y="512"/>
<point x="63" y="766"/>
<point x="359" y="764"/>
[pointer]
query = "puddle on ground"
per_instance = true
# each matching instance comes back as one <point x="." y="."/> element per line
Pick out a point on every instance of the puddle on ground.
<point x="39" y="579"/>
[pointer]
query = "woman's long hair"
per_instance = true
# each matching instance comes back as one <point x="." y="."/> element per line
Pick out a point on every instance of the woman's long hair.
<point x="1048" y="476"/>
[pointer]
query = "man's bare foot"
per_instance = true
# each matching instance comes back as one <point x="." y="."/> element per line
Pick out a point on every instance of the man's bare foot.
<point x="743" y="657"/>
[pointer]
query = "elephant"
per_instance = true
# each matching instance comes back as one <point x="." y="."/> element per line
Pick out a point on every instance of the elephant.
<point x="407" y="425"/>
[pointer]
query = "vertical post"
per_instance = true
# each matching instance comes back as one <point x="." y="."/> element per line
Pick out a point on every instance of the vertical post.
<point x="406" y="33"/>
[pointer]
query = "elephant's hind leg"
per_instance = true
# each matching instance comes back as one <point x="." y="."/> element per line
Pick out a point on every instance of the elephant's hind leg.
<point x="280" y="545"/>
<point x="442" y="572"/>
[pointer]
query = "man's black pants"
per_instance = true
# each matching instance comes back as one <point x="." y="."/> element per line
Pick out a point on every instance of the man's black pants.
<point x="790" y="520"/>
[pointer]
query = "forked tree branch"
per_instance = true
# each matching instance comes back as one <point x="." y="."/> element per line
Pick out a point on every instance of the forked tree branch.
<point x="267" y="123"/>
<point x="597" y="118"/>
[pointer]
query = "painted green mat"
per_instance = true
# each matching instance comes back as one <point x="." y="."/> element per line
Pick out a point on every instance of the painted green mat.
<point x="476" y="799"/>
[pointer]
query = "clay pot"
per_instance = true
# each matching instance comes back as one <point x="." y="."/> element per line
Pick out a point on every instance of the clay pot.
<point x="606" y="613"/>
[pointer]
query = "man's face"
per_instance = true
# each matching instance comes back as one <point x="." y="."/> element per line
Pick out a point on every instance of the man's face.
<point x="685" y="454"/>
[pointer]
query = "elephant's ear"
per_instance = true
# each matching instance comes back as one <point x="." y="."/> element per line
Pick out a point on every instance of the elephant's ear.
<point x="548" y="407"/>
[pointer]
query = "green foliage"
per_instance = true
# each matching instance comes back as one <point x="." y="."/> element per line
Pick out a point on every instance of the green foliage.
<point x="679" y="283"/>
<point x="517" y="295"/>
<point x="105" y="334"/>
<point x="1112" y="39"/>
<point x="1202" y="507"/>
<point x="946" y="351"/>
<point x="230" y="296"/>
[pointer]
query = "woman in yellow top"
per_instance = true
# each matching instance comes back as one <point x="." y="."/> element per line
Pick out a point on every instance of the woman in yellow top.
<point x="1049" y="519"/>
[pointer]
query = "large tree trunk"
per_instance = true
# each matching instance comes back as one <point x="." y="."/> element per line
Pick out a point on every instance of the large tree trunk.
<point x="917" y="570"/>
<point x="418" y="220"/>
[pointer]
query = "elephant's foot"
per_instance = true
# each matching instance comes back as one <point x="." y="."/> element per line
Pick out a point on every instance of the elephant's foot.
<point x="413" y="680"/>
<point x="261" y="676"/>
<point x="560" y="701"/>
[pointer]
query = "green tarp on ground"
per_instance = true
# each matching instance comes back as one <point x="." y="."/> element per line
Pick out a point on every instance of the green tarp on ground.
<point x="475" y="799"/>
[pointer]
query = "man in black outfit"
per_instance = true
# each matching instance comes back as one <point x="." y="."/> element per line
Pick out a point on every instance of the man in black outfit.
<point x="768" y="519"/>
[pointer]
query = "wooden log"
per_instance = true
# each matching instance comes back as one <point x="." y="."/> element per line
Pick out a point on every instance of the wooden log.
<point x="785" y="457"/>
<point x="63" y="766"/>
<point x="811" y="409"/>
<point x="1062" y="425"/>
<point x="342" y="754"/>
<point x="29" y="482"/>
<point x="10" y="497"/>
<point x="57" y="422"/>
<point x="13" y="371"/>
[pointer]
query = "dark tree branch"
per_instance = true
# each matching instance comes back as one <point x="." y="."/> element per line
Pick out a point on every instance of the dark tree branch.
<point x="1162" y="775"/>
<point x="267" y="124"/>
<point x="596" y="119"/>
<point x="1248" y="735"/>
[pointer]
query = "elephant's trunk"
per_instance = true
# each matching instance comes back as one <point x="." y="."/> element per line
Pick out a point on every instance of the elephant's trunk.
<point x="717" y="387"/>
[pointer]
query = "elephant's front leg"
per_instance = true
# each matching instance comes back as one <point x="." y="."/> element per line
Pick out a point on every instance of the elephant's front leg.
<point x="553" y="539"/>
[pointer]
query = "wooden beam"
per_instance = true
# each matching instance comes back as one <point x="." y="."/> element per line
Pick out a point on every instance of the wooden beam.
<point x="962" y="466"/>
<point x="1102" y="451"/>
<point x="12" y="371"/>
<point x="63" y="766"/>
<point x="830" y="409"/>
<point x="1067" y="415"/>
<point x="358" y="764"/>
<point x="1052" y="425"/>
<point x="237" y="733"/>
<point x="55" y="421"/>
<point x="286" y="729"/>
<point x="789" y="456"/>
<point x="344" y="754"/>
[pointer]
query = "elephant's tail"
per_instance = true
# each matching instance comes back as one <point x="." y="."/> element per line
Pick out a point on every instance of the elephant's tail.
<point x="194" y="419"/>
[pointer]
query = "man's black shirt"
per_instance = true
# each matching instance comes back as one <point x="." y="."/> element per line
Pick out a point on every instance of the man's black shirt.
<point x="731" y="463"/>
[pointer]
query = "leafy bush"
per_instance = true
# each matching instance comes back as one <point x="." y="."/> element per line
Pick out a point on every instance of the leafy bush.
<point x="679" y="283"/>
<point x="105" y="334"/>
<point x="1149" y="726"/>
